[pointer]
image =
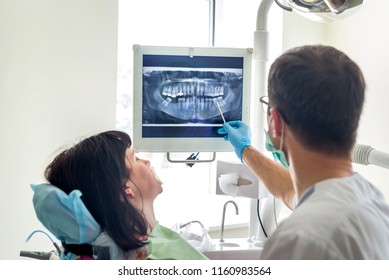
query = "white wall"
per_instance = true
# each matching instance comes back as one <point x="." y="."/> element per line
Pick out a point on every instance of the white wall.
<point x="363" y="36"/>
<point x="57" y="83"/>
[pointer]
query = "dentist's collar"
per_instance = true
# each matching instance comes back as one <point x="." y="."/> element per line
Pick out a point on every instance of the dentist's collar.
<point x="307" y="193"/>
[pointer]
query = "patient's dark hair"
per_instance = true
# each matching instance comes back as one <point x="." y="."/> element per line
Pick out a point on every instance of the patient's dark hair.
<point x="96" y="166"/>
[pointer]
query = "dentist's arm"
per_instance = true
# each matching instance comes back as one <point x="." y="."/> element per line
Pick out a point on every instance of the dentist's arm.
<point x="274" y="176"/>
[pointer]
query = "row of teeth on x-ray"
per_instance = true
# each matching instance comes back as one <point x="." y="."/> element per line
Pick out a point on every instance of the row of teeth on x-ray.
<point x="191" y="90"/>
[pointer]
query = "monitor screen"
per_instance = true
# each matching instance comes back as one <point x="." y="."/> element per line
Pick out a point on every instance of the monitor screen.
<point x="179" y="93"/>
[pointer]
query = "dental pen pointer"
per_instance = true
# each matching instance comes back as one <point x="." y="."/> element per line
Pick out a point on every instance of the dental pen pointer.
<point x="220" y="111"/>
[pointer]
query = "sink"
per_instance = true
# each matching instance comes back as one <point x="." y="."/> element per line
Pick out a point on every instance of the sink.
<point x="233" y="249"/>
<point x="228" y="244"/>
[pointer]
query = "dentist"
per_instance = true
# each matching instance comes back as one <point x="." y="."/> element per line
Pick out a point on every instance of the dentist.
<point x="316" y="96"/>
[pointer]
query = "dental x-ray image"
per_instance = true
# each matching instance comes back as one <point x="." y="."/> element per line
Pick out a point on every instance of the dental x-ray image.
<point x="179" y="93"/>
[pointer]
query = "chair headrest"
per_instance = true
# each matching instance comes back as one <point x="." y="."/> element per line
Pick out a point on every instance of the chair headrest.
<point x="65" y="216"/>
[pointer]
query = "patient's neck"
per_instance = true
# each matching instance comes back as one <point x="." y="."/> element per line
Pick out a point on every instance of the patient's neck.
<point x="148" y="212"/>
<point x="146" y="207"/>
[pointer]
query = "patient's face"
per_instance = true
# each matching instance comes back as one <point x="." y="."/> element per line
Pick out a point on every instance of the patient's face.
<point x="143" y="181"/>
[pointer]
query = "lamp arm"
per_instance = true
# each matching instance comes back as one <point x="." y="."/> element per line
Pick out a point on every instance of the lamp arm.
<point x="262" y="14"/>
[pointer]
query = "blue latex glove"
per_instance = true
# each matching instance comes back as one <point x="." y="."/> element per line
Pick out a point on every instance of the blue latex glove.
<point x="239" y="135"/>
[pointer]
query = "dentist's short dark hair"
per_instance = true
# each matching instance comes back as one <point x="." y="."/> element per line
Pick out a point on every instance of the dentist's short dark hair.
<point x="319" y="91"/>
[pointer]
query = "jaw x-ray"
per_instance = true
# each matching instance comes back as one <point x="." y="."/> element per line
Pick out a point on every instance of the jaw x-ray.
<point x="179" y="94"/>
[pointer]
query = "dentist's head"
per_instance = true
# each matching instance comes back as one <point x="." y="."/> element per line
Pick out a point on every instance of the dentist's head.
<point x="317" y="93"/>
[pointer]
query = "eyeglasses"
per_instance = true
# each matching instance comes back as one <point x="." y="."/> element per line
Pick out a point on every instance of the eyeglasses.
<point x="266" y="107"/>
<point x="265" y="104"/>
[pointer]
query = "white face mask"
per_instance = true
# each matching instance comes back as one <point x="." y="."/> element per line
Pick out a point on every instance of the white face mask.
<point x="278" y="154"/>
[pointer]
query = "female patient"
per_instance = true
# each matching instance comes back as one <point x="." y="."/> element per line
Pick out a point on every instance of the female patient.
<point x="118" y="189"/>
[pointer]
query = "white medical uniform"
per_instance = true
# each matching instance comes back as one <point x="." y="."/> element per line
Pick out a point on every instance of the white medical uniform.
<point x="345" y="218"/>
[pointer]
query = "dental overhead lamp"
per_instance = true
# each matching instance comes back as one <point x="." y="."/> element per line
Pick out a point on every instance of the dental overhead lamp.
<point x="322" y="10"/>
<point x="315" y="10"/>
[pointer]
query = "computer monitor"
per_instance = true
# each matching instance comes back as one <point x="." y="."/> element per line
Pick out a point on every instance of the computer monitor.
<point x="175" y="89"/>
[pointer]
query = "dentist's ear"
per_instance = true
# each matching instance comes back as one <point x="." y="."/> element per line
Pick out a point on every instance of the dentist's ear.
<point x="278" y="122"/>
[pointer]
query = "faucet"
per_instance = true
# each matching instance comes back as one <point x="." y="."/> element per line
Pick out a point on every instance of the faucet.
<point x="224" y="215"/>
